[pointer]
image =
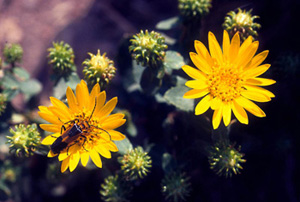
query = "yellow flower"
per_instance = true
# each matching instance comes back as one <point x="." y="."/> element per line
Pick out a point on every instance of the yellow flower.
<point x="92" y="127"/>
<point x="228" y="80"/>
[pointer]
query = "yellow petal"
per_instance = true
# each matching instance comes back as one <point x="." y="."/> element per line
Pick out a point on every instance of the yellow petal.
<point x="204" y="61"/>
<point x="51" y="128"/>
<point x="217" y="117"/>
<point x="109" y="125"/>
<point x="96" y="158"/>
<point x="216" y="103"/>
<point x="245" y="46"/>
<point x="234" y="47"/>
<point x="254" y="72"/>
<point x="115" y="135"/>
<point x="51" y="154"/>
<point x="82" y="94"/>
<point x="112" y="117"/>
<point x="72" y="100"/>
<point x="107" y="108"/>
<point x="255" y="96"/>
<point x="192" y="72"/>
<point x="259" y="90"/>
<point x="95" y="92"/>
<point x="195" y="93"/>
<point x="50" y="118"/>
<point x="84" y="158"/>
<point x="103" y="151"/>
<point x="245" y="56"/>
<point x="111" y="146"/>
<point x="226" y="114"/>
<point x="50" y="139"/>
<point x="63" y="155"/>
<point x="260" y="81"/>
<point x="100" y="102"/>
<point x="59" y="114"/>
<point x="196" y="84"/>
<point x="60" y="105"/>
<point x="226" y="45"/>
<point x="239" y="112"/>
<point x="257" y="60"/>
<point x="214" y="48"/>
<point x="74" y="160"/>
<point x="250" y="106"/>
<point x="64" y="165"/>
<point x="203" y="105"/>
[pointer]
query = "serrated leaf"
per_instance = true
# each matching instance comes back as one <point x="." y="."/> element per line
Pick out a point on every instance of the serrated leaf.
<point x="168" y="23"/>
<point x="174" y="96"/>
<point x="173" y="61"/>
<point x="124" y="146"/>
<point x="21" y="73"/>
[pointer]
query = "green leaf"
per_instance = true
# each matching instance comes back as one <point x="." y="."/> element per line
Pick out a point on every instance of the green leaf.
<point x="168" y="23"/>
<point x="168" y="163"/>
<point x="174" y="96"/>
<point x="30" y="87"/>
<point x="21" y="73"/>
<point x="10" y="82"/>
<point x="124" y="146"/>
<point x="131" y="129"/>
<point x="59" y="91"/>
<point x="173" y="61"/>
<point x="10" y="93"/>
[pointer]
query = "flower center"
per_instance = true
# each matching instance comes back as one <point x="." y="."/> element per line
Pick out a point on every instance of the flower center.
<point x="224" y="82"/>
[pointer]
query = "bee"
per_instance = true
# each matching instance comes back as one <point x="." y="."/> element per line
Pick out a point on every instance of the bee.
<point x="77" y="129"/>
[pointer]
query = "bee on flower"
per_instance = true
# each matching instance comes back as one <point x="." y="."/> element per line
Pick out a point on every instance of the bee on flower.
<point x="84" y="129"/>
<point x="228" y="79"/>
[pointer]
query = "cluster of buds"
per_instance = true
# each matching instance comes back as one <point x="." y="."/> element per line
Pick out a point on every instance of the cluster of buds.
<point x="225" y="160"/>
<point x="114" y="189"/>
<point x="2" y="103"/>
<point x="148" y="49"/>
<point x="9" y="172"/>
<point x="13" y="53"/>
<point x="136" y="163"/>
<point x="61" y="57"/>
<point x="241" y="22"/>
<point x="24" y="140"/>
<point x="176" y="186"/>
<point x="99" y="69"/>
<point x="193" y="9"/>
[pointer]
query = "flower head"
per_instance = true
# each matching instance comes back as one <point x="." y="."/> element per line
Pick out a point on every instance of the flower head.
<point x="242" y="22"/>
<point x="148" y="49"/>
<point x="82" y="130"/>
<point x="228" y="80"/>
<point x="24" y="140"/>
<point x="99" y="69"/>
<point x="225" y="160"/>
<point x="61" y="57"/>
<point x="176" y="186"/>
<point x="13" y="53"/>
<point x="136" y="163"/>
<point x="193" y="9"/>
<point x="114" y="189"/>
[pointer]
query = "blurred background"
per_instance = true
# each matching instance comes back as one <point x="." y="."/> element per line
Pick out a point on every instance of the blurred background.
<point x="271" y="144"/>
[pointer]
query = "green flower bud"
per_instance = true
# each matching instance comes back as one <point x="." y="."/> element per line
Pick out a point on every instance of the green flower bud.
<point x="136" y="163"/>
<point x="61" y="57"/>
<point x="13" y="53"/>
<point x="99" y="69"/>
<point x="225" y="160"/>
<point x="242" y="22"/>
<point x="176" y="186"/>
<point x="24" y="140"/>
<point x="2" y="103"/>
<point x="114" y="189"/>
<point x="193" y="9"/>
<point x="148" y="49"/>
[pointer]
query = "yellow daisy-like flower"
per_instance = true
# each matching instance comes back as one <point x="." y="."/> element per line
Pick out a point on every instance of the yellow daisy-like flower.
<point x="228" y="79"/>
<point x="82" y="130"/>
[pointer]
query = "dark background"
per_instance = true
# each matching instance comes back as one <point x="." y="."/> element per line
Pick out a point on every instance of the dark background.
<point x="271" y="144"/>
